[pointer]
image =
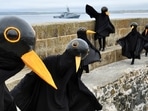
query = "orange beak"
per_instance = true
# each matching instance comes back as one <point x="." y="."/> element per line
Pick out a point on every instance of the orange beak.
<point x="77" y="61"/>
<point x="132" y="27"/>
<point x="32" y="60"/>
<point x="146" y="31"/>
<point x="107" y="13"/>
<point x="90" y="32"/>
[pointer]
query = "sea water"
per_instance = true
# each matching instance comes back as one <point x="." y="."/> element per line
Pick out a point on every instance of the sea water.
<point x="46" y="15"/>
<point x="46" y="18"/>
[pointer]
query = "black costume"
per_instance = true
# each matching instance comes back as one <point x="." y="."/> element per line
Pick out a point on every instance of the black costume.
<point x="17" y="39"/>
<point x="94" y="54"/>
<point x="33" y="94"/>
<point x="145" y="34"/>
<point x="103" y="25"/>
<point x="132" y="44"/>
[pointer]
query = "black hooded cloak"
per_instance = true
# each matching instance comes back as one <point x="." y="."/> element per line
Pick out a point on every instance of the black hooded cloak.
<point x="132" y="43"/>
<point x="33" y="94"/>
<point x="103" y="25"/>
<point x="145" y="35"/>
<point x="93" y="55"/>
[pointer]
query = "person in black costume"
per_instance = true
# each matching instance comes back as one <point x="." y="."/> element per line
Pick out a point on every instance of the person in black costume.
<point x="33" y="94"/>
<point x="145" y="34"/>
<point x="94" y="54"/>
<point x="132" y="44"/>
<point x="103" y="25"/>
<point x="17" y="40"/>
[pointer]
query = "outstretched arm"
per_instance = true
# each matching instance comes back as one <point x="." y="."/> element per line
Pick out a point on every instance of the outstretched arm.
<point x="91" y="11"/>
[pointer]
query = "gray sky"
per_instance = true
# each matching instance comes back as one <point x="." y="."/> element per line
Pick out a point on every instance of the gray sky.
<point x="19" y="4"/>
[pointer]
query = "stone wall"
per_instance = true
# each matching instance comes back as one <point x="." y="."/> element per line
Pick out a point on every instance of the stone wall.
<point x="52" y="38"/>
<point x="128" y="93"/>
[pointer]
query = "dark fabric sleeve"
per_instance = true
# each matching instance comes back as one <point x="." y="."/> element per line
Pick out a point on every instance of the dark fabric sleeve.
<point x="141" y="41"/>
<point x="94" y="48"/>
<point x="31" y="91"/>
<point x="111" y="27"/>
<point x="23" y="92"/>
<point x="81" y="98"/>
<point x="143" y="33"/>
<point x="91" y="11"/>
<point x="123" y="42"/>
<point x="91" y="45"/>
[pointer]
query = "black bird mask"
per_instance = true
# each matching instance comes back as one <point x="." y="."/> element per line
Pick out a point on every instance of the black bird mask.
<point x="79" y="49"/>
<point x="17" y="39"/>
<point x="134" y="25"/>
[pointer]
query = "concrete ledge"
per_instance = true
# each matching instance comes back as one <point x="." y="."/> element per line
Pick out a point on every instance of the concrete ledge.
<point x="109" y="73"/>
<point x="120" y="86"/>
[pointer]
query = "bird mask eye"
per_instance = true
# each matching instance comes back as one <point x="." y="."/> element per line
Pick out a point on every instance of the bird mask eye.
<point x="75" y="44"/>
<point x="12" y="34"/>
